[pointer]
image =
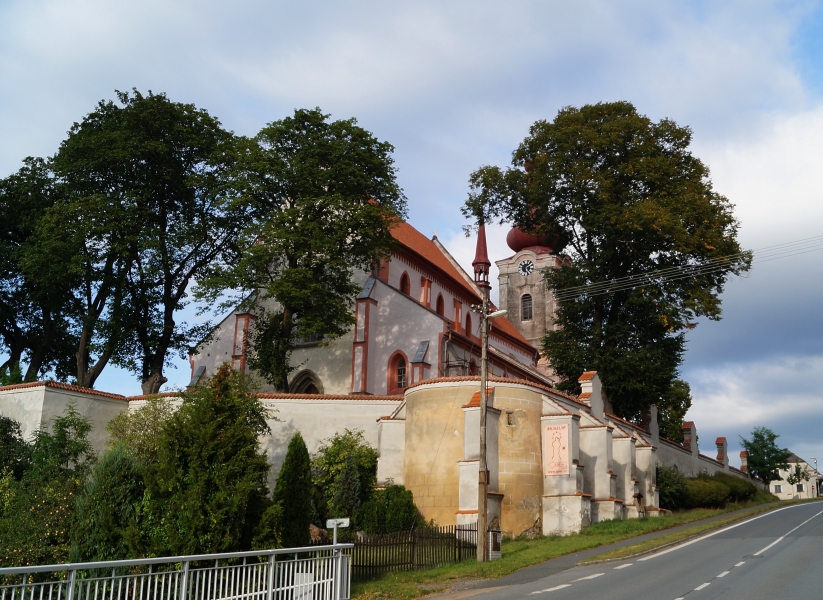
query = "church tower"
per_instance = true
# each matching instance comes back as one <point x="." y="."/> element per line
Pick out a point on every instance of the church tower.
<point x="523" y="292"/>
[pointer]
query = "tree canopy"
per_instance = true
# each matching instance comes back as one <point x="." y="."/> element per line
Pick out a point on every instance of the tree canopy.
<point x="765" y="458"/>
<point x="621" y="195"/>
<point x="324" y="198"/>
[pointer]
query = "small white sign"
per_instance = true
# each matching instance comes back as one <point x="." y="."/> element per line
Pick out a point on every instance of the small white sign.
<point x="332" y="523"/>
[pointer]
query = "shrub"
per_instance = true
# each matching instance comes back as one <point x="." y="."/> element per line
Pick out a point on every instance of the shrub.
<point x="740" y="489"/>
<point x="331" y="459"/>
<point x="291" y="515"/>
<point x="703" y="492"/>
<point x="392" y="509"/>
<point x="107" y="523"/>
<point x="672" y="488"/>
<point x="15" y="452"/>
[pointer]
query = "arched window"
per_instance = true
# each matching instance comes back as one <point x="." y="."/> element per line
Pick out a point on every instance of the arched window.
<point x="405" y="284"/>
<point x="398" y="373"/>
<point x="468" y="323"/>
<point x="441" y="305"/>
<point x="526" y="307"/>
<point x="306" y="382"/>
<point x="472" y="367"/>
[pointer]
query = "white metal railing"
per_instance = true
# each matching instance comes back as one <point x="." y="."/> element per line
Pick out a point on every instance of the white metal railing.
<point x="313" y="573"/>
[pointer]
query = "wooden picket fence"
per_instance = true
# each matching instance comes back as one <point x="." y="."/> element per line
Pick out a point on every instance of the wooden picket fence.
<point x="374" y="555"/>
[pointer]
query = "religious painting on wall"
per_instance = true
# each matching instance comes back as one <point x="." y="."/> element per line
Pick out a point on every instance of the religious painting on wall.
<point x="556" y="450"/>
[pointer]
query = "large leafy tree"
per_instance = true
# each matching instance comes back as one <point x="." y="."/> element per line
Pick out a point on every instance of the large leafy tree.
<point x="324" y="198"/>
<point x="765" y="458"/>
<point x="34" y="323"/>
<point x="623" y="196"/>
<point x="151" y="200"/>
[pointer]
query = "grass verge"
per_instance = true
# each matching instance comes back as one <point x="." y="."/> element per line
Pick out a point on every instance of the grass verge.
<point x="679" y="536"/>
<point x="520" y="553"/>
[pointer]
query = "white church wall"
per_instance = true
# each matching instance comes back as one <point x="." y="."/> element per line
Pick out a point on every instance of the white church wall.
<point x="399" y="323"/>
<point x="330" y="361"/>
<point x="36" y="406"/>
<point x="318" y="419"/>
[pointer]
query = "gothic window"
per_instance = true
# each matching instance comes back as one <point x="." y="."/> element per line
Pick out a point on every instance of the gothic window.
<point x="526" y="307"/>
<point x="441" y="305"/>
<point x="405" y="284"/>
<point x="306" y="382"/>
<point x="401" y="373"/>
<point x="398" y="373"/>
<point x="472" y="367"/>
<point x="468" y="324"/>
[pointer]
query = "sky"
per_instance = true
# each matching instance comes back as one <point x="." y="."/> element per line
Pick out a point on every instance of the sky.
<point x="455" y="85"/>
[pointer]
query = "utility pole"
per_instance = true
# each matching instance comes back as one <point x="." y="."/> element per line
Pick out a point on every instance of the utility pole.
<point x="481" y="266"/>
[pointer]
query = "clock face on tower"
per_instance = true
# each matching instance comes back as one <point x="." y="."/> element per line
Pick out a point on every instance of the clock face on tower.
<point x="525" y="268"/>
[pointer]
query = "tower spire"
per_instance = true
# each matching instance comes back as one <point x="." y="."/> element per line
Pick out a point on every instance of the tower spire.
<point x="481" y="261"/>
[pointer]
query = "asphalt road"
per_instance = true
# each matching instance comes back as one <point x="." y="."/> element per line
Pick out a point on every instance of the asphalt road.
<point x="773" y="556"/>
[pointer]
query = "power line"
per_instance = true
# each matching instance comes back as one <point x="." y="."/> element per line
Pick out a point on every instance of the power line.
<point x="708" y="267"/>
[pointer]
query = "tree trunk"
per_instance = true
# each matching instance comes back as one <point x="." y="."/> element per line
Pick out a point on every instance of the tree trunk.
<point x="152" y="384"/>
<point x="39" y="354"/>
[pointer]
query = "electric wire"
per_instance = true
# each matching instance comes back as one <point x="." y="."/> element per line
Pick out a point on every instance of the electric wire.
<point x="718" y="264"/>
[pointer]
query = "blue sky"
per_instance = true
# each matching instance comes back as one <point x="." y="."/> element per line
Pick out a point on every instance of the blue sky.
<point x="455" y="85"/>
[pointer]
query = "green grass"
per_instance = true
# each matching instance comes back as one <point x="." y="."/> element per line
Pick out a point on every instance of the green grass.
<point x="519" y="553"/>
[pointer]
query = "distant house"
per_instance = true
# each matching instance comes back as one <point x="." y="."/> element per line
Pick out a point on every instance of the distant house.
<point x="804" y="489"/>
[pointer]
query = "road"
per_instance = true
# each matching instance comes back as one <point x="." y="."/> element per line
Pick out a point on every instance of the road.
<point x="772" y="556"/>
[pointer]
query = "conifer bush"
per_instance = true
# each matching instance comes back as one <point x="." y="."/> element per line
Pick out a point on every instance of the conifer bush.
<point x="740" y="489"/>
<point x="292" y="509"/>
<point x="207" y="491"/>
<point x="392" y="509"/>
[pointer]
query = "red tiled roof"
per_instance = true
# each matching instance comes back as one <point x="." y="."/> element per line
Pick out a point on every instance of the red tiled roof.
<point x="587" y="376"/>
<point x="350" y="397"/>
<point x="475" y="401"/>
<point x="62" y="386"/>
<point x="688" y="424"/>
<point x="419" y="244"/>
<point x="720" y="440"/>
<point x="499" y="380"/>
<point x="584" y="395"/>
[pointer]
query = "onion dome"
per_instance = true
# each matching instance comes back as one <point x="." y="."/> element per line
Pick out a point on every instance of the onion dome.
<point x="517" y="240"/>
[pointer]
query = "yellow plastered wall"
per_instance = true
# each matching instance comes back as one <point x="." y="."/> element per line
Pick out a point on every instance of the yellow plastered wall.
<point x="434" y="445"/>
<point x="520" y="456"/>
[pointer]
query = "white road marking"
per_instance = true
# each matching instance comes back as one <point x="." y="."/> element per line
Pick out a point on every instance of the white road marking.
<point x="700" y="587"/>
<point x="700" y="539"/>
<point x="590" y="577"/>
<point x="787" y="533"/>
<point x="769" y="546"/>
<point x="742" y="562"/>
<point x="557" y="587"/>
<point x="723" y="574"/>
<point x="624" y="566"/>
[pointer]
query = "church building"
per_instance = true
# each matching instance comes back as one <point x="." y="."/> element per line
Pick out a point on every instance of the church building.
<point x="407" y="376"/>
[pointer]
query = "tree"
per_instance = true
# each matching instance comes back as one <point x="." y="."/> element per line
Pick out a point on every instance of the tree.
<point x="292" y="496"/>
<point x="163" y="170"/>
<point x="208" y="486"/>
<point x="324" y="200"/>
<point x="34" y="324"/>
<point x="15" y="452"/>
<point x="765" y="459"/>
<point x="346" y="501"/>
<point x="141" y="430"/>
<point x="798" y="475"/>
<point x="623" y="196"/>
<point x="331" y="460"/>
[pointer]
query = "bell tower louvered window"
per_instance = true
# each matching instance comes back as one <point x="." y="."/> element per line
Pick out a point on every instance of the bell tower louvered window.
<point x="526" y="307"/>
